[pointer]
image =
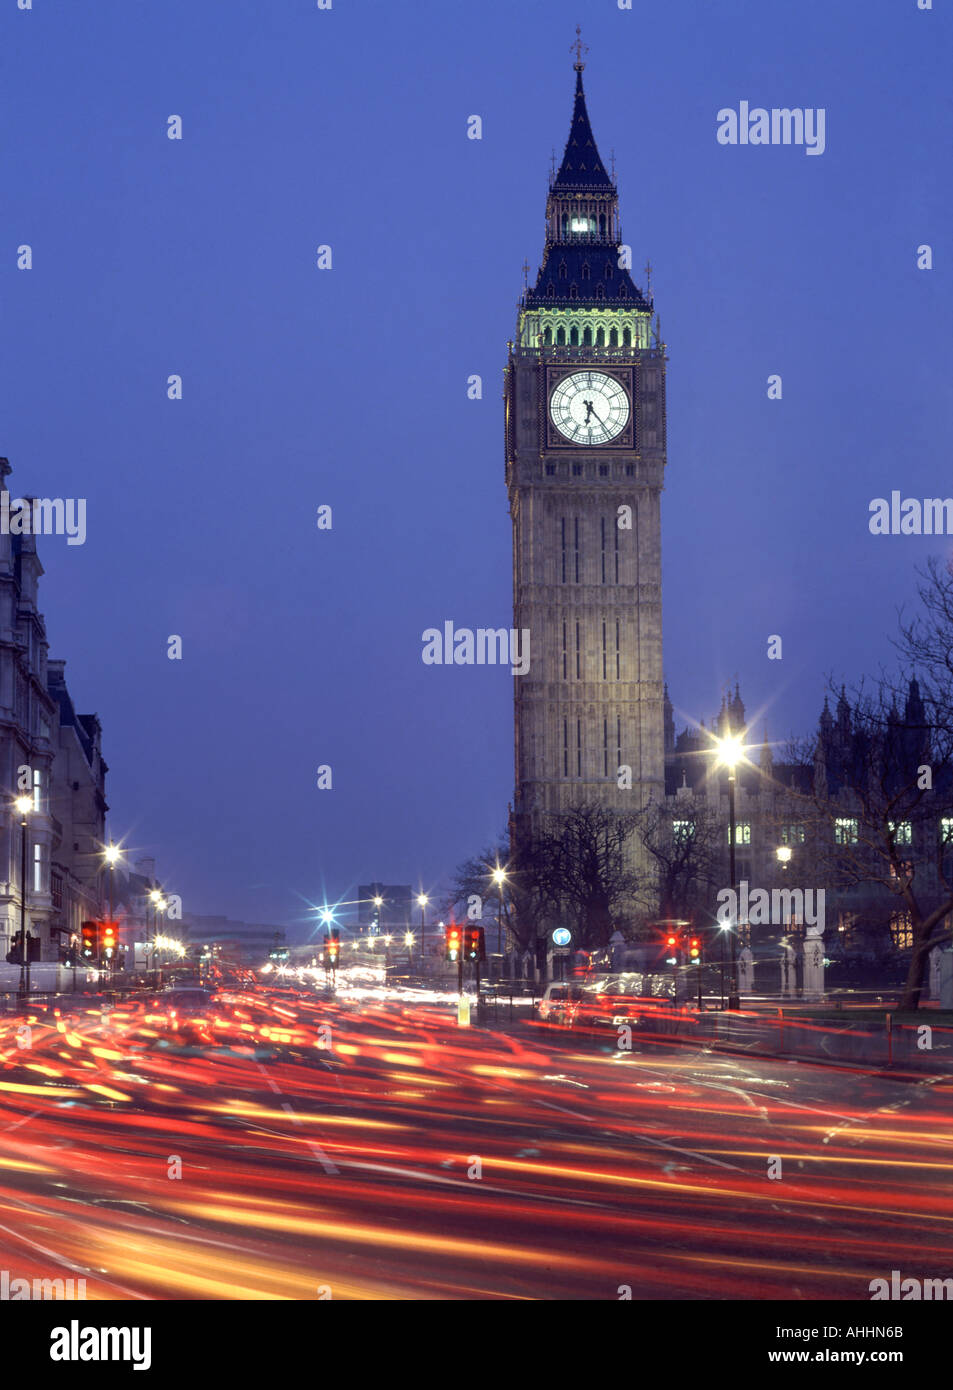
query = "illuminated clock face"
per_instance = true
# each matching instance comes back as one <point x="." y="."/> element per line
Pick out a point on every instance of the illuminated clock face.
<point x="589" y="408"/>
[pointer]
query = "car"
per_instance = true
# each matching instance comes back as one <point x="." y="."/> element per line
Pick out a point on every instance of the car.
<point x="559" y="1003"/>
<point x="186" y="999"/>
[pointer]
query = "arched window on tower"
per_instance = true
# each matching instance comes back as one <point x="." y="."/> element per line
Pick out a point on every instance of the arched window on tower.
<point x="564" y="225"/>
<point x="609" y="271"/>
<point x="602" y="224"/>
<point x="563" y="270"/>
<point x="600" y="292"/>
<point x="622" y="291"/>
<point x="614" y="337"/>
<point x="574" y="336"/>
<point x="585" y="270"/>
<point x="573" y="292"/>
<point x="626" y="337"/>
<point x="561" y="337"/>
<point x="548" y="338"/>
<point x="600" y="337"/>
<point x="587" y="337"/>
<point x="550" y="290"/>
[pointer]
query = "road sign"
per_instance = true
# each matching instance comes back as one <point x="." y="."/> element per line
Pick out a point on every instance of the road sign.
<point x="562" y="936"/>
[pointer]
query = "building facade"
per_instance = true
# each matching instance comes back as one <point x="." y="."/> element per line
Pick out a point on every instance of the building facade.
<point x="585" y="457"/>
<point x="51" y="755"/>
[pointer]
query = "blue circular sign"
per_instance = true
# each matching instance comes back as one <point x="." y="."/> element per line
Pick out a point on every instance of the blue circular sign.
<point x="562" y="936"/>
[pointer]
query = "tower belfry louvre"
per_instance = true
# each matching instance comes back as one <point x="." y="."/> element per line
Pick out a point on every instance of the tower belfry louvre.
<point x="584" y="392"/>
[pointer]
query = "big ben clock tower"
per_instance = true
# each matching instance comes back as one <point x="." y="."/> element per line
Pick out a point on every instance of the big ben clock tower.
<point x="585" y="457"/>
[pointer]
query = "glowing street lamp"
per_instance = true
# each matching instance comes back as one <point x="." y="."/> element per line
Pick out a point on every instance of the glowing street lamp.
<point x="24" y="804"/>
<point x="784" y="855"/>
<point x="499" y="878"/>
<point x="379" y="904"/>
<point x="422" y="901"/>
<point x="730" y="751"/>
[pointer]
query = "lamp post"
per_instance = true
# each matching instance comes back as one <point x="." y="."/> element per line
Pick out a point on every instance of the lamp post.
<point x="499" y="878"/>
<point x="730" y="753"/>
<point x="24" y="805"/>
<point x="111" y="854"/>
<point x="422" y="901"/>
<point x="379" y="904"/>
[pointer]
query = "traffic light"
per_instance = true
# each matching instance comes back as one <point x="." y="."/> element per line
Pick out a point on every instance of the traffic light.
<point x="332" y="949"/>
<point x="89" y="941"/>
<point x="109" y="940"/>
<point x="694" y="950"/>
<point x="453" y="942"/>
<point x="474" y="946"/>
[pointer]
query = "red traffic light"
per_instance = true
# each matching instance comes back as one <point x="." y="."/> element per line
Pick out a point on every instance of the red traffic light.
<point x="474" y="944"/>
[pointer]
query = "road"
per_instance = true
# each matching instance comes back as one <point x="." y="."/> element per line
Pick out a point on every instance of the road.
<point x="288" y="1147"/>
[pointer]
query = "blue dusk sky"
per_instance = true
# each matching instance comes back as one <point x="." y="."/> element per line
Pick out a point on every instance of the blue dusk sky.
<point x="347" y="387"/>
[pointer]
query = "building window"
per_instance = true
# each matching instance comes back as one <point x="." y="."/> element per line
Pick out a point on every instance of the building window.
<point x="550" y="290"/>
<point x="682" y="830"/>
<point x="603" y="470"/>
<point x="574" y="331"/>
<point x="605" y="748"/>
<point x="630" y="470"/>
<point x="563" y="271"/>
<point x="613" y="337"/>
<point x="604" y="653"/>
<point x="616" y="533"/>
<point x="578" y="655"/>
<point x="38" y="868"/>
<point x="902" y="833"/>
<point x="565" y="655"/>
<point x="560" y="337"/>
<point x="578" y="747"/>
<point x="576" y="529"/>
<point x="587" y="337"/>
<point x="609" y="270"/>
<point x="602" y="537"/>
<point x="574" y="294"/>
<point x="38" y="792"/>
<point x="562" y="535"/>
<point x="565" y="747"/>
<point x="600" y="294"/>
<point x="791" y="835"/>
<point x="577" y="473"/>
<point x="618" y="653"/>
<point x="548" y="338"/>
<point x="845" y="830"/>
<point x="901" y="930"/>
<point x="550" y="470"/>
<point x="585" y="270"/>
<point x="742" y="833"/>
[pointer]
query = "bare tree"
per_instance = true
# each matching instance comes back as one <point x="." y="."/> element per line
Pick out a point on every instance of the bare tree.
<point x="688" y="852"/>
<point x="583" y="859"/>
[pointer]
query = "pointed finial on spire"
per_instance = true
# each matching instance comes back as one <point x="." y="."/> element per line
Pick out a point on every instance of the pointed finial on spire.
<point x="648" y="280"/>
<point x="525" y="275"/>
<point x="579" y="48"/>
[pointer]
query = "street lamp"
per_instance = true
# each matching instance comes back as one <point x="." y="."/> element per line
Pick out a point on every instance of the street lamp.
<point x="24" y="804"/>
<point x="784" y="855"/>
<point x="422" y="901"/>
<point x="730" y="751"/>
<point x="499" y="878"/>
<point x="379" y="904"/>
<point x="111" y="854"/>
